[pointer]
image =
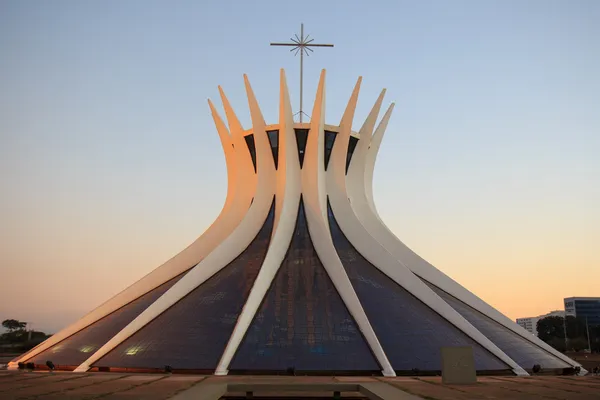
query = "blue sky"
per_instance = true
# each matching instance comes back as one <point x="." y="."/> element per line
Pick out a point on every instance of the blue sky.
<point x="110" y="164"/>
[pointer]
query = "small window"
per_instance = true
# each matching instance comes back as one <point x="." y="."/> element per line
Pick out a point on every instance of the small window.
<point x="351" y="146"/>
<point x="274" y="141"/>
<point x="301" y="139"/>
<point x="329" y="141"/>
<point x="252" y="149"/>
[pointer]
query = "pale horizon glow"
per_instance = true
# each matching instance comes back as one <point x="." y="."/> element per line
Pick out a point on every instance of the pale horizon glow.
<point x="110" y="163"/>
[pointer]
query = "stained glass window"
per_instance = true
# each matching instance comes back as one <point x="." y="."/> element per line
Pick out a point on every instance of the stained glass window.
<point x="522" y="351"/>
<point x="79" y="347"/>
<point x="302" y="323"/>
<point x="411" y="333"/>
<point x="193" y="333"/>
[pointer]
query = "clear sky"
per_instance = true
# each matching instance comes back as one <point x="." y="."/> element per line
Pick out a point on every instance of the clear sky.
<point x="110" y="164"/>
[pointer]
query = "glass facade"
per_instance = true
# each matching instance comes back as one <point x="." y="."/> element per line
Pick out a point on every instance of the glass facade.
<point x="78" y="347"/>
<point x="193" y="333"/>
<point x="302" y="322"/>
<point x="585" y="309"/>
<point x="521" y="350"/>
<point x="411" y="333"/>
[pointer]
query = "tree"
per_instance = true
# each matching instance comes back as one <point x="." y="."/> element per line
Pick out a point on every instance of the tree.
<point x="14" y="325"/>
<point x="551" y="328"/>
<point x="557" y="343"/>
<point x="578" y="344"/>
<point x="576" y="328"/>
<point x="552" y="331"/>
<point x="17" y="339"/>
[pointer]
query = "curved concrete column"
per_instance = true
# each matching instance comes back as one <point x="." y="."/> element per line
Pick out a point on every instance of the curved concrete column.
<point x="315" y="205"/>
<point x="287" y="199"/>
<point x="359" y="189"/>
<point x="367" y="245"/>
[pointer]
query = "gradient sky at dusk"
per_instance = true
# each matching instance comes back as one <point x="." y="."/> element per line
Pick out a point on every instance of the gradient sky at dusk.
<point x="110" y="163"/>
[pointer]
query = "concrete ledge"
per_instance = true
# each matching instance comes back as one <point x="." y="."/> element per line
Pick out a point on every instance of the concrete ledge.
<point x="214" y="391"/>
<point x="292" y="387"/>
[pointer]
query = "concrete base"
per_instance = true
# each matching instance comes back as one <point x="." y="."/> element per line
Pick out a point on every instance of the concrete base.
<point x="209" y="390"/>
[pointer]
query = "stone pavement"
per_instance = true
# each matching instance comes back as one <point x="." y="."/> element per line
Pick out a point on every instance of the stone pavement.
<point x="539" y="387"/>
<point x="65" y="385"/>
<point x="69" y="386"/>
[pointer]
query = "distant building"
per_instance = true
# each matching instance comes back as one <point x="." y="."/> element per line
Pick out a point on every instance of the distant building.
<point x="585" y="308"/>
<point x="530" y="323"/>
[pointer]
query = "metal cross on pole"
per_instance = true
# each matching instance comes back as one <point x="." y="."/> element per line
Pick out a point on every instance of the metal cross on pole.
<point x="301" y="45"/>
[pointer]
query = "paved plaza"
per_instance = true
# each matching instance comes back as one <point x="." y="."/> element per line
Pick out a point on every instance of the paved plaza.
<point x="70" y="386"/>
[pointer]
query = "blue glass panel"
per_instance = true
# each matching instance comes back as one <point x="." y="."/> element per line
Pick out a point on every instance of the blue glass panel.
<point x="193" y="333"/>
<point x="302" y="322"/>
<point x="410" y="332"/>
<point x="522" y="351"/>
<point x="79" y="347"/>
<point x="588" y="310"/>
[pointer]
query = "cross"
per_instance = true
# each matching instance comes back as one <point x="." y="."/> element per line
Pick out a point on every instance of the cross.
<point x="301" y="45"/>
